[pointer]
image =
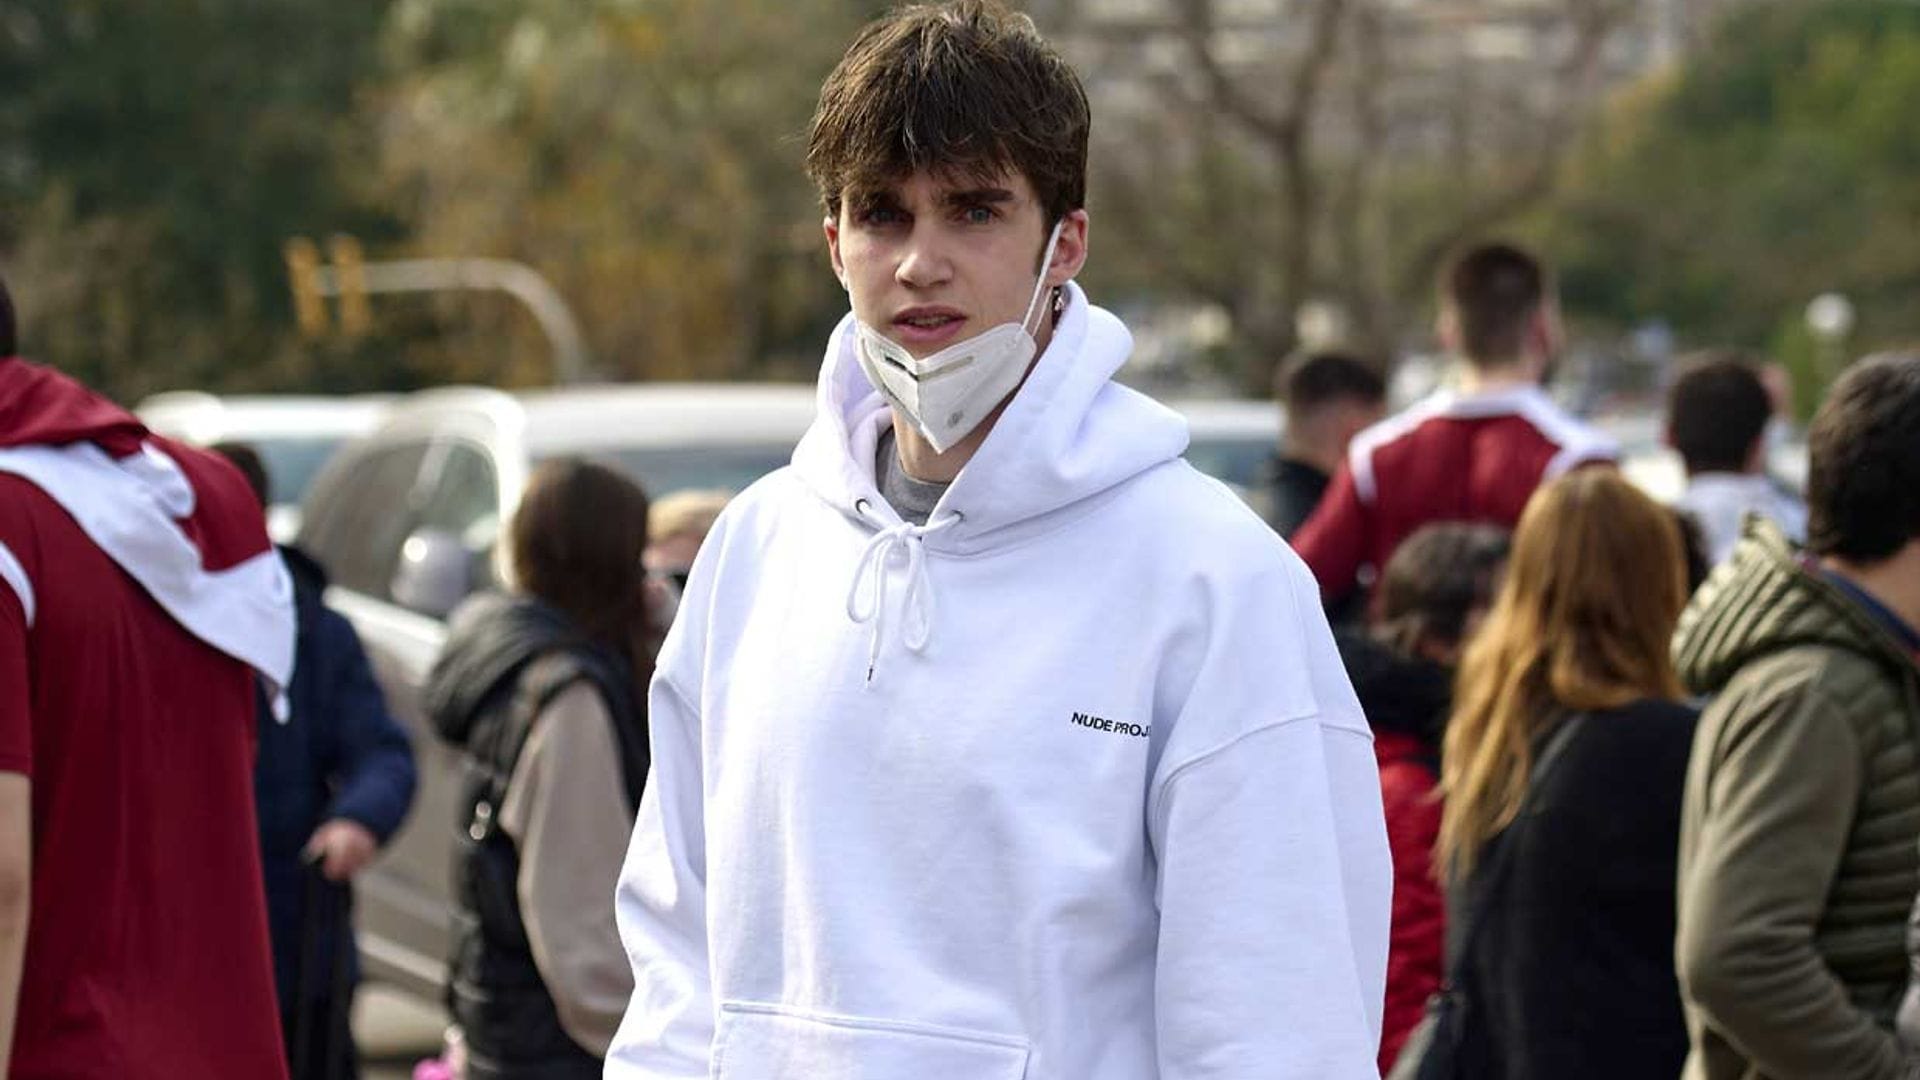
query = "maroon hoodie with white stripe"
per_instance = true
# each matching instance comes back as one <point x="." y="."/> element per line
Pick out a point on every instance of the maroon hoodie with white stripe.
<point x="1452" y="457"/>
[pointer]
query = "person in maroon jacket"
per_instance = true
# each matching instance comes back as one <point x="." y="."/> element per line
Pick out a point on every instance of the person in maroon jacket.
<point x="1437" y="588"/>
<point x="1473" y="452"/>
<point x="138" y="597"/>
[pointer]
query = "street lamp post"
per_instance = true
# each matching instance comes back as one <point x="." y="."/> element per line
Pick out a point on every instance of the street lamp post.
<point x="1830" y="317"/>
<point x="352" y="280"/>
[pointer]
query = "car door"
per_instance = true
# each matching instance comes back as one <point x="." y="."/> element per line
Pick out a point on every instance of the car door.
<point x="356" y="521"/>
<point x="406" y="909"/>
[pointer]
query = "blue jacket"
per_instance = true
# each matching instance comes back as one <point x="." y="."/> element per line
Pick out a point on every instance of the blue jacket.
<point x="339" y="755"/>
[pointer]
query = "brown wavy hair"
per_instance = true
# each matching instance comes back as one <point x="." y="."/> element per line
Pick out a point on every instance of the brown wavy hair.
<point x="968" y="87"/>
<point x="1583" y="621"/>
<point x="574" y="544"/>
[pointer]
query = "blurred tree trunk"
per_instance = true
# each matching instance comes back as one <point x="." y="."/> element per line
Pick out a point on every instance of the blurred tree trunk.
<point x="1340" y="198"/>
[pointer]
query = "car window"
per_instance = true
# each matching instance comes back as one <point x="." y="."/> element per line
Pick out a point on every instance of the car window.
<point x="1236" y="460"/>
<point x="664" y="470"/>
<point x="292" y="464"/>
<point x="464" y="501"/>
<point x="355" y="526"/>
<point x="464" y="498"/>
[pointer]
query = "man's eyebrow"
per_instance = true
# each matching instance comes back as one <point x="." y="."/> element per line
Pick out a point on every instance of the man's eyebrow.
<point x="872" y="199"/>
<point x="978" y="196"/>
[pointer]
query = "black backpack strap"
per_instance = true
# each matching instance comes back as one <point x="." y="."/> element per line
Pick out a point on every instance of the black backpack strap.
<point x="627" y="708"/>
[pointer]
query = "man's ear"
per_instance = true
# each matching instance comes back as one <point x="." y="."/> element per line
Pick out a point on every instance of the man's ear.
<point x="832" y="229"/>
<point x="1446" y="327"/>
<point x="1546" y="331"/>
<point x="1070" y="254"/>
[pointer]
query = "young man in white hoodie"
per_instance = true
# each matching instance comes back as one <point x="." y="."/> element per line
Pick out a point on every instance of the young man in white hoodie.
<point x="1108" y="809"/>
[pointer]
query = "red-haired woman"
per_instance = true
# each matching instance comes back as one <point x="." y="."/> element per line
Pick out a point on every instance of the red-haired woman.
<point x="1563" y="768"/>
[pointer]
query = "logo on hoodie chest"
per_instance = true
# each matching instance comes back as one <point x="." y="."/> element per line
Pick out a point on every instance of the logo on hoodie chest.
<point x="1112" y="727"/>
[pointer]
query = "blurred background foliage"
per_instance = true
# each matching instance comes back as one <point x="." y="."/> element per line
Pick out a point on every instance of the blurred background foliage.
<point x="645" y="156"/>
<point x="1782" y="163"/>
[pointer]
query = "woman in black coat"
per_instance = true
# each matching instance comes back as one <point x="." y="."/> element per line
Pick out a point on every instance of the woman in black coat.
<point x="1561" y="863"/>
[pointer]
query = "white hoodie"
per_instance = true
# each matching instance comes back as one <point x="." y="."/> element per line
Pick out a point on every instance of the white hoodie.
<point x="1107" y="811"/>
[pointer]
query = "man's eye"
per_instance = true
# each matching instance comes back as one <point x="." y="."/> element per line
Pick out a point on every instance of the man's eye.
<point x="880" y="215"/>
<point x="978" y="215"/>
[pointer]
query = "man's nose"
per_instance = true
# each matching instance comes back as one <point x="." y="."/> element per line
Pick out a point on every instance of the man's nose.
<point x="924" y="262"/>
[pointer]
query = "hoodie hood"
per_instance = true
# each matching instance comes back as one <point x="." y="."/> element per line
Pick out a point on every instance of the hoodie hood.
<point x="1763" y="601"/>
<point x="1406" y="695"/>
<point x="307" y="572"/>
<point x="489" y="641"/>
<point x="42" y="407"/>
<point x="180" y="522"/>
<point x="1069" y="435"/>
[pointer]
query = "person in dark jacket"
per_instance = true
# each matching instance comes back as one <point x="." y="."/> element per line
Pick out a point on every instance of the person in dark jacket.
<point x="1798" y="850"/>
<point x="1569" y="905"/>
<point x="1329" y="398"/>
<point x="542" y="690"/>
<point x="1437" y="588"/>
<point x="332" y="784"/>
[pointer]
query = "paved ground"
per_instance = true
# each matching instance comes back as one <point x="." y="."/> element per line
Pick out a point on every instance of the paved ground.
<point x="394" y="1030"/>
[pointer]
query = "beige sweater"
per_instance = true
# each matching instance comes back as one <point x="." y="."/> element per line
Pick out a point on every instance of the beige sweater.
<point x="566" y="810"/>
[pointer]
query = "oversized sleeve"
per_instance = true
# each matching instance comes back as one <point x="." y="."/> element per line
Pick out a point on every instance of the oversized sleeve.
<point x="565" y="809"/>
<point x="372" y="759"/>
<point x="1335" y="540"/>
<point x="1274" y="879"/>
<point x="1772" y="794"/>
<point x="662" y="907"/>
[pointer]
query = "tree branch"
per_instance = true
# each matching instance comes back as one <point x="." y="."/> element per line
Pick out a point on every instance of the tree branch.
<point x="1594" y="21"/>
<point x="1197" y="30"/>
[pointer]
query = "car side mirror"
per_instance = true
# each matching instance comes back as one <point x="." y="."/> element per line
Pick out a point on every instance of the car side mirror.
<point x="435" y="573"/>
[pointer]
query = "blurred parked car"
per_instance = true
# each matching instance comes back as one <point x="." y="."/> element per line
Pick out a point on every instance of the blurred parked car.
<point x="406" y="521"/>
<point x="1232" y="440"/>
<point x="294" y="435"/>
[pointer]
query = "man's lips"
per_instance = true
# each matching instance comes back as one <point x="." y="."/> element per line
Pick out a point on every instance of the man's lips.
<point x="922" y="326"/>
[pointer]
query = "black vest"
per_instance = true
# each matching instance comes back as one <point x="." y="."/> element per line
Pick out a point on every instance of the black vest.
<point x="495" y="992"/>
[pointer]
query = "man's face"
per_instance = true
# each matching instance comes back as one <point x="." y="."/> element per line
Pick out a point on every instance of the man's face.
<point x="936" y="259"/>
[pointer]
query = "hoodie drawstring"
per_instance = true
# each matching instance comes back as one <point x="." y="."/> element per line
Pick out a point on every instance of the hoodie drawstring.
<point x="870" y="605"/>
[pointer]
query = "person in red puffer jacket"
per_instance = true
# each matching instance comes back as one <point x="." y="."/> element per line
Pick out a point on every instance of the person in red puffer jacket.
<point x="1435" y="591"/>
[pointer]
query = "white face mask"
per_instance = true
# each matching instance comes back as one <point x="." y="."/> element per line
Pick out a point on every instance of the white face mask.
<point x="946" y="395"/>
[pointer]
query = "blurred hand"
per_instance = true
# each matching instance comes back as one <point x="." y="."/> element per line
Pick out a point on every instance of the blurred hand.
<point x="342" y="848"/>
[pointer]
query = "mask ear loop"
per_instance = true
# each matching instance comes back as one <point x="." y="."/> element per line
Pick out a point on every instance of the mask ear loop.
<point x="1039" y="287"/>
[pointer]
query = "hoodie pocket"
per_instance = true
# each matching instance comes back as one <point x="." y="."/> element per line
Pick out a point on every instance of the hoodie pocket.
<point x="773" y="1042"/>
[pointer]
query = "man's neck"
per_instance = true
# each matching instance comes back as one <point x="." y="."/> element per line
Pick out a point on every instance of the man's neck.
<point x="1726" y="475"/>
<point x="929" y="466"/>
<point x="1895" y="582"/>
<point x="1307" y="452"/>
<point x="1487" y="379"/>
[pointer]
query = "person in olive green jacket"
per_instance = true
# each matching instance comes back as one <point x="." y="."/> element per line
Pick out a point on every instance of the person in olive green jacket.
<point x="1798" y="855"/>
